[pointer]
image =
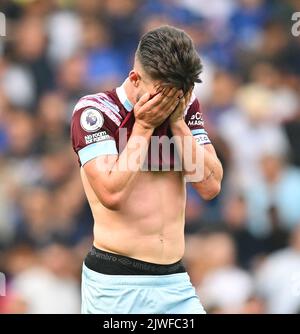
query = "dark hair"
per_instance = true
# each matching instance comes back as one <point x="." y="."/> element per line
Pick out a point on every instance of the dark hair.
<point x="168" y="54"/>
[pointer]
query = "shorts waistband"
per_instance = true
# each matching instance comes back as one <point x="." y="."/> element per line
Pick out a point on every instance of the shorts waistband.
<point x="117" y="281"/>
<point x="114" y="264"/>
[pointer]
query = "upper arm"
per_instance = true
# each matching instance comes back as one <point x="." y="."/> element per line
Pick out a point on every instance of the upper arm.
<point x="96" y="172"/>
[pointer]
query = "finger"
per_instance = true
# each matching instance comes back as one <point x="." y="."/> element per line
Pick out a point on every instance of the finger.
<point x="161" y="90"/>
<point x="162" y="100"/>
<point x="172" y="92"/>
<point x="173" y="95"/>
<point x="166" y="91"/>
<point x="158" y="88"/>
<point x="175" y="92"/>
<point x="168" y="101"/>
<point x="156" y="100"/>
<point x="144" y="99"/>
<point x="172" y="105"/>
<point x="180" y="94"/>
<point x="169" y="91"/>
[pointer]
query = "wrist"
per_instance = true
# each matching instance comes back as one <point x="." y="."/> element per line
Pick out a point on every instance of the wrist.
<point x="177" y="119"/>
<point x="142" y="128"/>
<point x="178" y="124"/>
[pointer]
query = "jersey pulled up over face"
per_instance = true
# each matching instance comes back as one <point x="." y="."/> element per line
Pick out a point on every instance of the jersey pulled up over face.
<point x="102" y="123"/>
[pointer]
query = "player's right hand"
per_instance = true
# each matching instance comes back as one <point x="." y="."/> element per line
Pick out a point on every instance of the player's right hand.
<point x="151" y="112"/>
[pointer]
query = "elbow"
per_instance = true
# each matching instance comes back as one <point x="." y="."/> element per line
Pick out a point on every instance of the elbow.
<point x="212" y="188"/>
<point x="111" y="201"/>
<point x="210" y="192"/>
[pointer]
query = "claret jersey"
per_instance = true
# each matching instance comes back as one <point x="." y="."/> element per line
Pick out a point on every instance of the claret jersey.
<point x="97" y="121"/>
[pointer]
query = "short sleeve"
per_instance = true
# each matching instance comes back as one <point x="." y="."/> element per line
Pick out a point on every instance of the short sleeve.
<point x="93" y="128"/>
<point x="194" y="120"/>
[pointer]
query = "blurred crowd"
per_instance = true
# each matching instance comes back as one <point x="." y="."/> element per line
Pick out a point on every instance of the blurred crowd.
<point x="243" y="248"/>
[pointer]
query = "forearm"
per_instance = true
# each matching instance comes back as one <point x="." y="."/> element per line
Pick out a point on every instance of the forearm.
<point x="208" y="174"/>
<point x="210" y="186"/>
<point x="131" y="159"/>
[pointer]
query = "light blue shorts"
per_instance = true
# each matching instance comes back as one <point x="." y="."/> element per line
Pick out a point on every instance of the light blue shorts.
<point x="126" y="294"/>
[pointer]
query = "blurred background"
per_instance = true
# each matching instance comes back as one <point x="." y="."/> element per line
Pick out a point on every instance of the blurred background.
<point x="243" y="248"/>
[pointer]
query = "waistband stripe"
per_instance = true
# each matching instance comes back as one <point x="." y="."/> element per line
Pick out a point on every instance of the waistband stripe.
<point x="114" y="264"/>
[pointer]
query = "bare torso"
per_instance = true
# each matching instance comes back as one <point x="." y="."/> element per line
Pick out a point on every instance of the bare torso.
<point x="149" y="225"/>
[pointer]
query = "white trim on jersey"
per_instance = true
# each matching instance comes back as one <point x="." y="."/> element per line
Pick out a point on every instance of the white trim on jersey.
<point x="90" y="152"/>
<point x="193" y="98"/>
<point x="103" y="98"/>
<point x="85" y="102"/>
<point x="123" y="98"/>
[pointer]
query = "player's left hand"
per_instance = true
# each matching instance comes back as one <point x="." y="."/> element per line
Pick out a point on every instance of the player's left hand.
<point x="178" y="113"/>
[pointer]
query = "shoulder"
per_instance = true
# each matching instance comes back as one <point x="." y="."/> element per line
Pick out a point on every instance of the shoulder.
<point x="93" y="126"/>
<point x="99" y="106"/>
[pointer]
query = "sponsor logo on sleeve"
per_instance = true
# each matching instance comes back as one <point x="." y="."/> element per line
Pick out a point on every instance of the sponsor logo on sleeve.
<point x="196" y="120"/>
<point x="91" y="120"/>
<point x="96" y="137"/>
<point x="202" y="139"/>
